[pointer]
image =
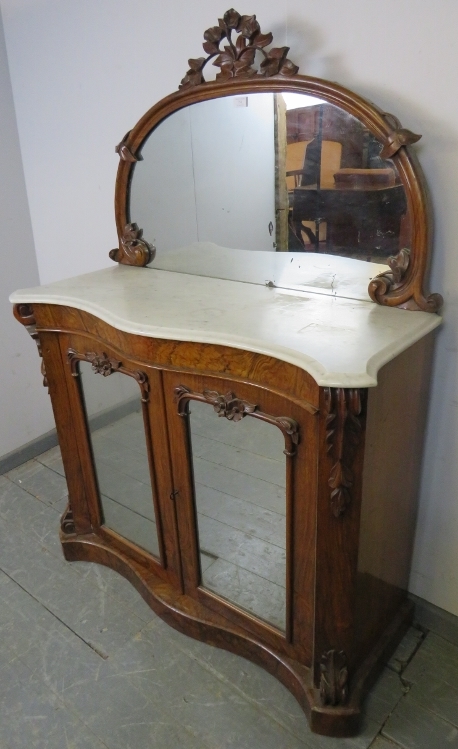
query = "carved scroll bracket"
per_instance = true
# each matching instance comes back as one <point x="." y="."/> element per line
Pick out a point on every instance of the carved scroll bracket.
<point x="235" y="409"/>
<point x="133" y="249"/>
<point x="343" y="408"/>
<point x="334" y="678"/>
<point x="24" y="314"/>
<point x="67" y="522"/>
<point x="105" y="365"/>
<point x="236" y="60"/>
<point x="382" y="286"/>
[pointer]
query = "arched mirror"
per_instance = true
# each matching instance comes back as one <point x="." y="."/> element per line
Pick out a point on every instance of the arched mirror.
<point x="274" y="179"/>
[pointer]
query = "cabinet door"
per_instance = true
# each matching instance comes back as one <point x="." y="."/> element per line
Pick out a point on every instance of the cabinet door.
<point x="124" y="433"/>
<point x="244" y="486"/>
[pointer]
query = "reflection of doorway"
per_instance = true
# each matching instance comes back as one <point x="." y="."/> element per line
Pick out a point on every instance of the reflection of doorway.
<point x="281" y="189"/>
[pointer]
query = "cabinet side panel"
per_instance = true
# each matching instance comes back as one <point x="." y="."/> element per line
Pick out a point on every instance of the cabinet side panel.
<point x="397" y="410"/>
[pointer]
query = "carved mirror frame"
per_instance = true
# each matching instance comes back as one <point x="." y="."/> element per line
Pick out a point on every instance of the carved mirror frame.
<point x="402" y="285"/>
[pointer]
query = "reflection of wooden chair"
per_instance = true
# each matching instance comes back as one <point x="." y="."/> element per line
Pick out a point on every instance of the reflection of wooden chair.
<point x="295" y="158"/>
<point x="303" y="159"/>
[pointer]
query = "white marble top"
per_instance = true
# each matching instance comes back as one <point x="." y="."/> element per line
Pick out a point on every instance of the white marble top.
<point x="340" y="342"/>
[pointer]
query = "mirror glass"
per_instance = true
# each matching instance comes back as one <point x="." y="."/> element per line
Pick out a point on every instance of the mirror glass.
<point x="280" y="188"/>
<point x="240" y="489"/>
<point x="114" y="411"/>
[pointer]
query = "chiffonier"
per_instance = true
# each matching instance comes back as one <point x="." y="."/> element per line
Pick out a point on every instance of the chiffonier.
<point x="240" y="399"/>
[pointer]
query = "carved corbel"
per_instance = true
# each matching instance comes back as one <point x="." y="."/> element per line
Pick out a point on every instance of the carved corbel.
<point x="24" y="314"/>
<point x="236" y="59"/>
<point x="133" y="249"/>
<point x="334" y="678"/>
<point x="344" y="424"/>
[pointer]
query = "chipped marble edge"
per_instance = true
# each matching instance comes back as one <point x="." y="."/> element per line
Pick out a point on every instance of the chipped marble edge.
<point x="323" y="377"/>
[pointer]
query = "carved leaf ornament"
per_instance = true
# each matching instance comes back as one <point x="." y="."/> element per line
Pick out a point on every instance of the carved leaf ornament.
<point x="343" y="434"/>
<point x="105" y="365"/>
<point x="235" y="409"/>
<point x="229" y="405"/>
<point x="236" y="60"/>
<point x="334" y="678"/>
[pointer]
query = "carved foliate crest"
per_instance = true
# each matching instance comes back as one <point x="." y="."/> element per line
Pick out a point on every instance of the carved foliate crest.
<point x="237" y="57"/>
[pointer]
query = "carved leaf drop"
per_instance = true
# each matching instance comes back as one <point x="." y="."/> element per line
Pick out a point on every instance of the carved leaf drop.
<point x="343" y="434"/>
<point x="334" y="678"/>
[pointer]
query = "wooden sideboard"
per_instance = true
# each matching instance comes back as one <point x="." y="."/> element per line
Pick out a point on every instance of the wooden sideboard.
<point x="352" y="456"/>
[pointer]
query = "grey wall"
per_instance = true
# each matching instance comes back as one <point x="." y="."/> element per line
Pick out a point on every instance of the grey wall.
<point x="84" y="72"/>
<point x="25" y="411"/>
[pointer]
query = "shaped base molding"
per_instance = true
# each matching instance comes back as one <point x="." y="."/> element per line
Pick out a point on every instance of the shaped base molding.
<point x="190" y="617"/>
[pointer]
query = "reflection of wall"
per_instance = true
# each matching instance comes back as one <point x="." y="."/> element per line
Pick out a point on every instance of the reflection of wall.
<point x="208" y="175"/>
<point x="234" y="161"/>
<point x="162" y="189"/>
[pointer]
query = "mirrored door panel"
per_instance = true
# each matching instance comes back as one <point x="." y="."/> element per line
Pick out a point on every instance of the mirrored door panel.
<point x="240" y="493"/>
<point x="116" y="425"/>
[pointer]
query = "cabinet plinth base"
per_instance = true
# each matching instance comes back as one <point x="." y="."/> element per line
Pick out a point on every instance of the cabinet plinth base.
<point x="192" y="618"/>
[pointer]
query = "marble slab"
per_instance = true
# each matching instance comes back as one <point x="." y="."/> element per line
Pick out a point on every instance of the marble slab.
<point x="340" y="342"/>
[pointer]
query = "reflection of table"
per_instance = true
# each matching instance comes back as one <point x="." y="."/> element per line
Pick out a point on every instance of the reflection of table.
<point x="368" y="218"/>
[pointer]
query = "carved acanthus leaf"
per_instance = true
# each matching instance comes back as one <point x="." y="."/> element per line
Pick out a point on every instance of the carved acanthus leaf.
<point x="334" y="678"/>
<point x="133" y="249"/>
<point x="398" y="137"/>
<point x="343" y="433"/>
<point x="236" y="60"/>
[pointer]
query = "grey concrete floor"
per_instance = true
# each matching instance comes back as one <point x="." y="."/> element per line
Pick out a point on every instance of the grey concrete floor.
<point x="85" y="664"/>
